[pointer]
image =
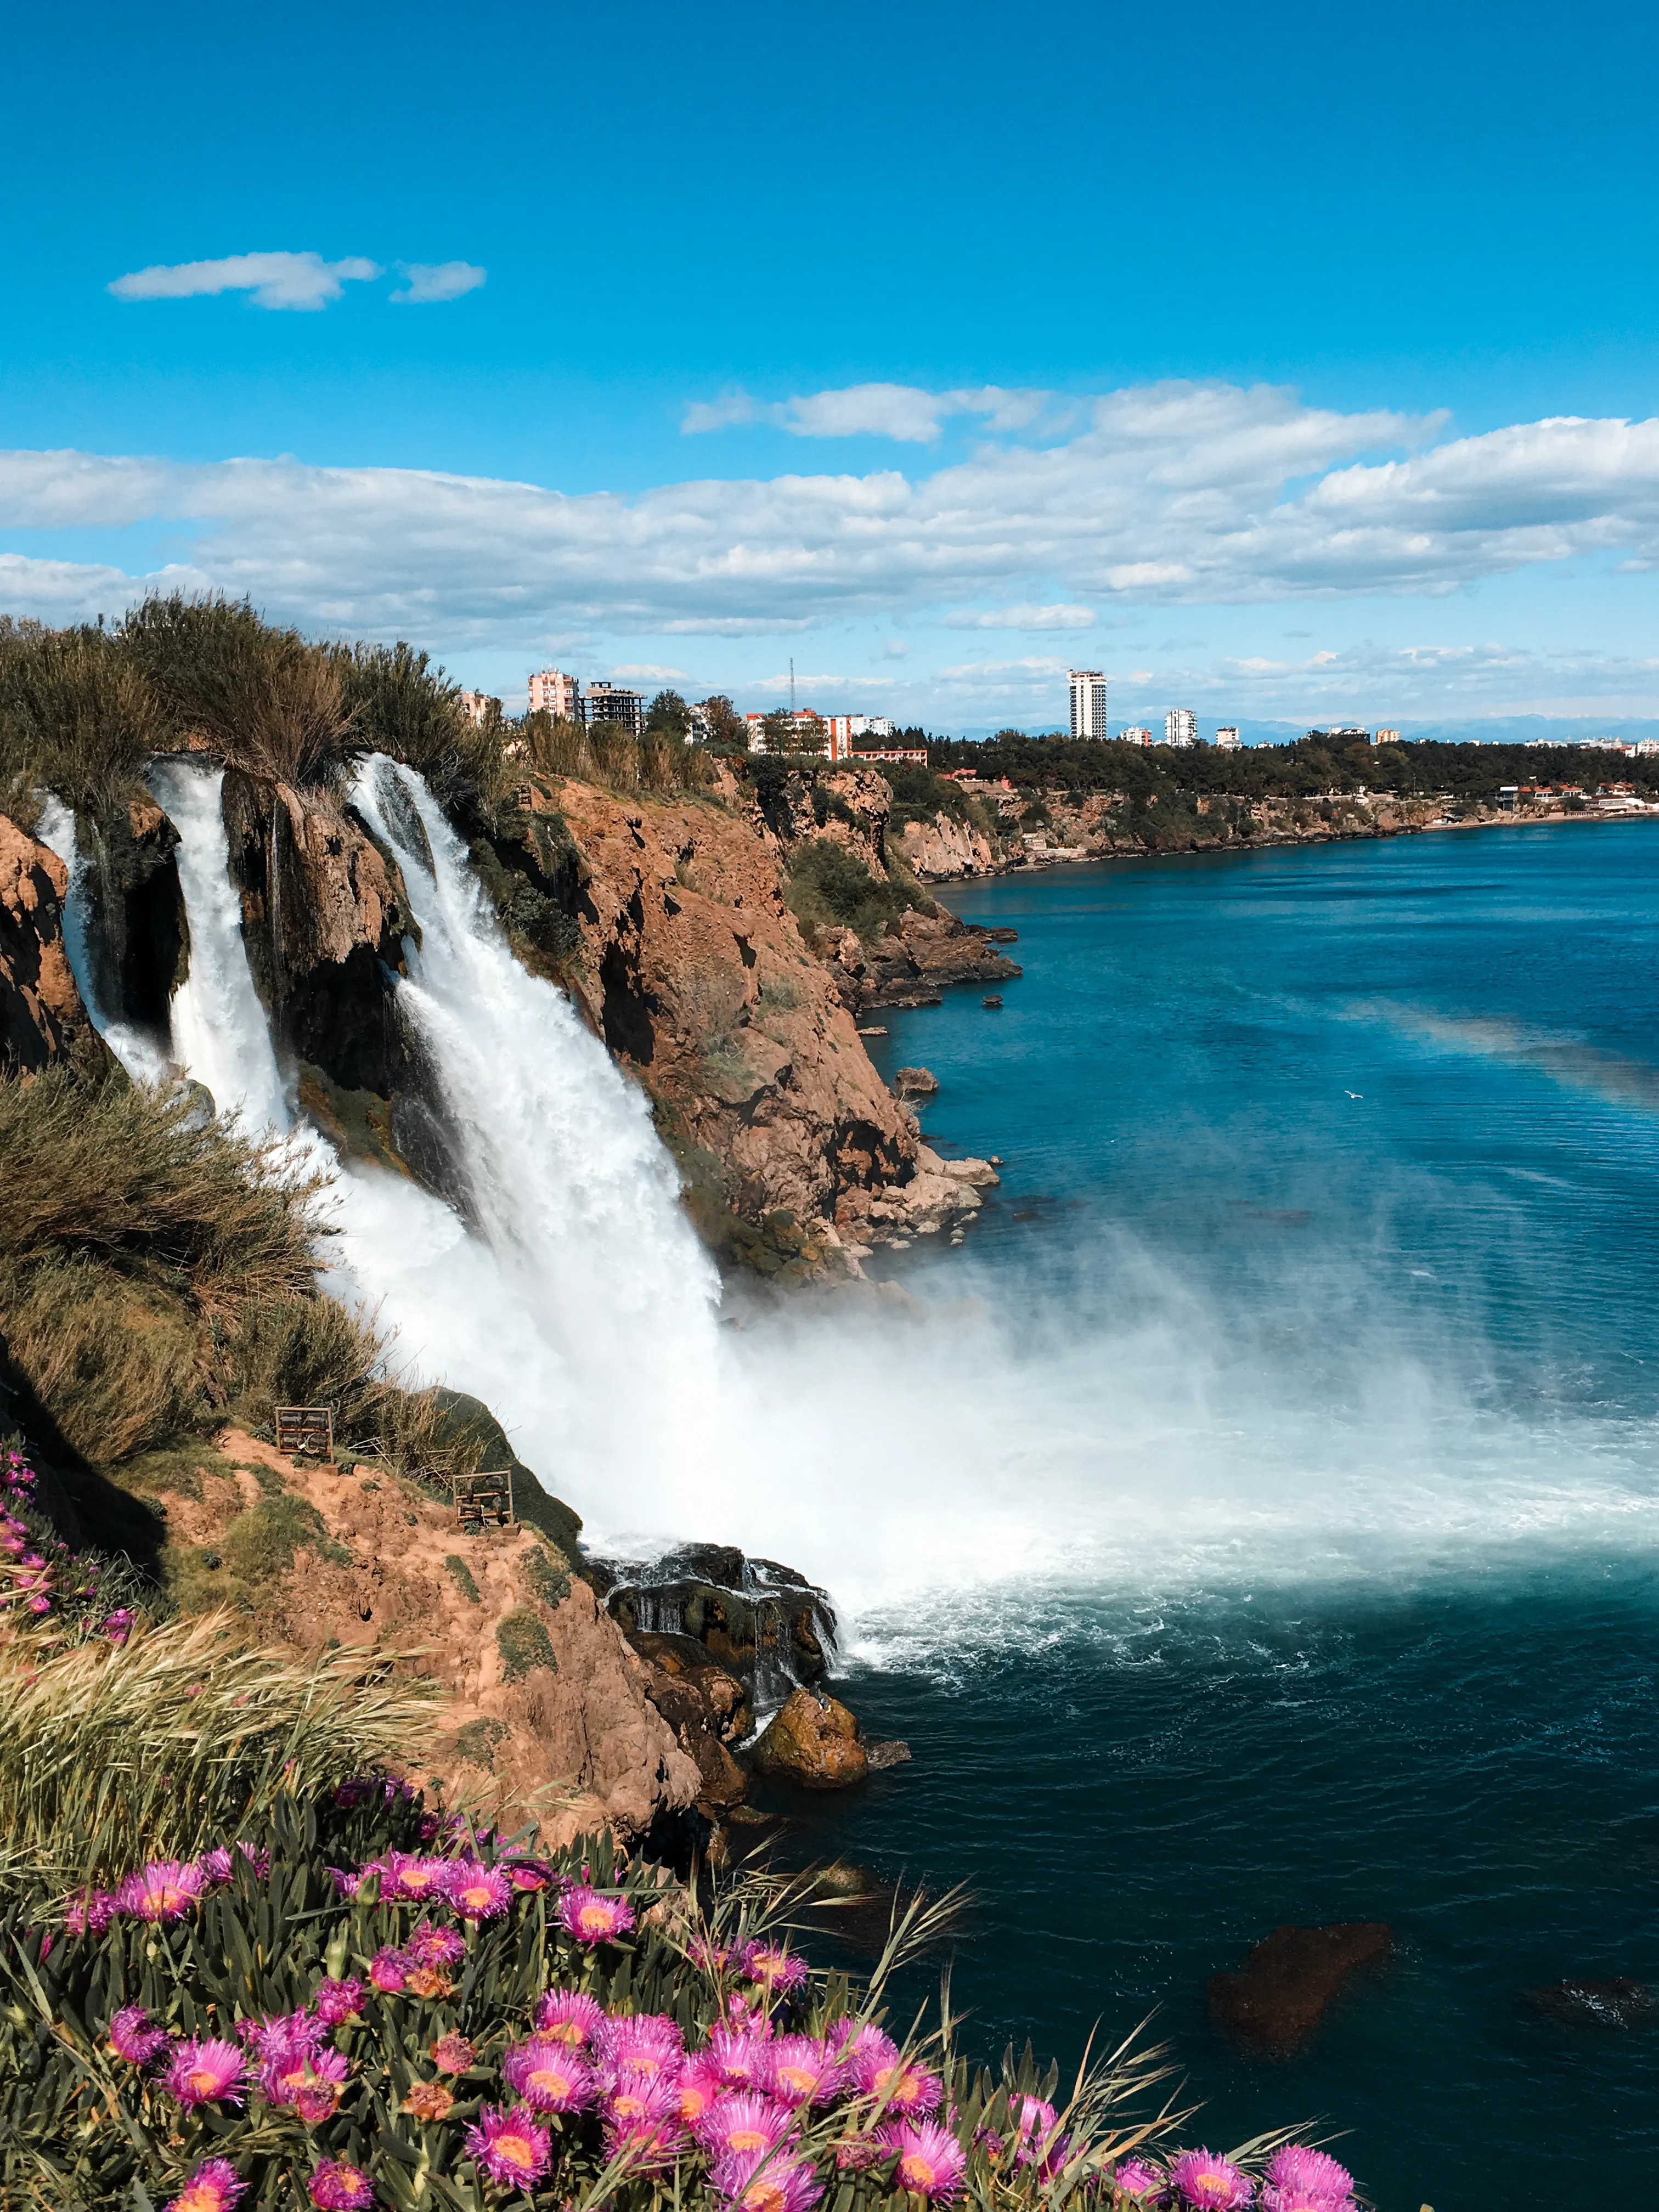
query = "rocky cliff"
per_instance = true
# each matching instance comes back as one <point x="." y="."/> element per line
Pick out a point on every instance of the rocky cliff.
<point x="43" y="1021"/>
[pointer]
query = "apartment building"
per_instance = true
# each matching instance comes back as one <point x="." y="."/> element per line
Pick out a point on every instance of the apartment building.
<point x="1181" y="727"/>
<point x="614" y="703"/>
<point x="480" y="707"/>
<point x="1134" y="733"/>
<point x="827" y="734"/>
<point x="1088" y="703"/>
<point x="1227" y="738"/>
<point x="553" y="692"/>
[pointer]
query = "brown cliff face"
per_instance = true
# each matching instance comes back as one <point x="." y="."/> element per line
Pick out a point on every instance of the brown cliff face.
<point x="941" y="850"/>
<point x="43" y="1021"/>
<point x="542" y="1705"/>
<point x="687" y="960"/>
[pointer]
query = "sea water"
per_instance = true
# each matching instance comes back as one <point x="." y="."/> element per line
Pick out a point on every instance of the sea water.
<point x="1344" y="1161"/>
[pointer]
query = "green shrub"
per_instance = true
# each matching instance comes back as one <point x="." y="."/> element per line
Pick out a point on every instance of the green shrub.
<point x="396" y="703"/>
<point x="830" y="886"/>
<point x="548" y="1574"/>
<point x="521" y="1639"/>
<point x="266" y="699"/>
<point x="76" y="716"/>
<point x="462" y="1576"/>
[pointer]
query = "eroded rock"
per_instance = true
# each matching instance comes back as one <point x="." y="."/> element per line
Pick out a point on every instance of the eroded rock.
<point x="43" y="1021"/>
<point x="813" y="1740"/>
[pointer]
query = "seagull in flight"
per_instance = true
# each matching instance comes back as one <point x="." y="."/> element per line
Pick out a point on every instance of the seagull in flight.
<point x="1354" y="1094"/>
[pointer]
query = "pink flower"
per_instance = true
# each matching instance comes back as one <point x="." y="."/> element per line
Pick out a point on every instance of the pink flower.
<point x="509" y="2147"/>
<point x="118" y="1626"/>
<point x="346" y="1885"/>
<point x="1135" y="2178"/>
<point x="308" y="2080"/>
<point x="275" y="2037"/>
<point x="744" y="2060"/>
<point x="713" y="1959"/>
<point x="931" y="2162"/>
<point x="133" y="2037"/>
<point x="803" y="2072"/>
<point x="435" y="1946"/>
<point x="698" y="2085"/>
<point x="743" y="2122"/>
<point x="388" y="1969"/>
<point x="1310" y="2171"/>
<point x="773" y="1967"/>
<point x="593" y="1918"/>
<point x="164" y="1890"/>
<point x="213" y="2187"/>
<point x="406" y="1880"/>
<point x="1296" y="2199"/>
<point x="639" y="2097"/>
<point x="878" y="2069"/>
<point x="648" y="2042"/>
<point x="527" y="1874"/>
<point x="89" y="1912"/>
<point x="550" y="2076"/>
<point x="749" y="2019"/>
<point x="642" y="2123"/>
<point x="865" y="2052"/>
<point x="477" y="1891"/>
<point x="337" y="2187"/>
<point x="756" y="2183"/>
<point x="205" y="2073"/>
<point x="571" y="2015"/>
<point x="338" y="2001"/>
<point x="1205" y="2177"/>
<point x="452" y="2053"/>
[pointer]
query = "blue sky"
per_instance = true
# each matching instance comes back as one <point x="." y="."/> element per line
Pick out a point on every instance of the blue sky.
<point x="1288" y="364"/>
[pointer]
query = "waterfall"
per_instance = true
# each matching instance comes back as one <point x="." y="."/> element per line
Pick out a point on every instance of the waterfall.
<point x="220" y="1033"/>
<point x="583" y="1308"/>
<point x="137" y="1053"/>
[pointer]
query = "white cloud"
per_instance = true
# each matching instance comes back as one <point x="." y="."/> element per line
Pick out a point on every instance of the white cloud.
<point x="1025" y="617"/>
<point x="77" y="591"/>
<point x="426" y="281"/>
<point x="275" y="280"/>
<point x="641" y="670"/>
<point x="903" y="412"/>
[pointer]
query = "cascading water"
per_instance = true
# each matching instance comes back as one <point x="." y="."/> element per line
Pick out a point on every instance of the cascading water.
<point x="137" y="1053"/>
<point x="220" y="1033"/>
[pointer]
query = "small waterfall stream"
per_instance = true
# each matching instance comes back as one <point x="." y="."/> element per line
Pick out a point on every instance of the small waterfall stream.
<point x="137" y="1053"/>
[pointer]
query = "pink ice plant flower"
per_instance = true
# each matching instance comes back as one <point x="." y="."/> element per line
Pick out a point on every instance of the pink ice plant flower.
<point x="877" y="2067"/>
<point x="642" y="2122"/>
<point x="754" y="2181"/>
<point x="550" y="2076"/>
<point x="305" y="2077"/>
<point x="338" y="2001"/>
<point x="931" y="2162"/>
<point x="208" y="2072"/>
<point x="1136" y="2178"/>
<point x="591" y="1917"/>
<point x="698" y="2085"/>
<point x="164" y="1890"/>
<point x="740" y="2122"/>
<point x="389" y="1970"/>
<point x="748" y="2018"/>
<point x="133" y="2037"/>
<point x="1310" y="2172"/>
<point x="509" y="2147"/>
<point x="803" y="2071"/>
<point x="90" y="1913"/>
<point x="477" y="1891"/>
<point x="773" y="1967"/>
<point x="642" y="2043"/>
<point x="1295" y="2199"/>
<point x="406" y="1879"/>
<point x="527" y="1874"/>
<point x="744" y="2059"/>
<point x="214" y="2186"/>
<point x="337" y="2187"/>
<point x="435" y="1946"/>
<point x="572" y="2015"/>
<point x="275" y="2037"/>
<point x="1204" y="2177"/>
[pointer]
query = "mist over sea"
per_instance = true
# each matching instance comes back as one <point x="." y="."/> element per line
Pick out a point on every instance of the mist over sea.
<point x="1259" y="1520"/>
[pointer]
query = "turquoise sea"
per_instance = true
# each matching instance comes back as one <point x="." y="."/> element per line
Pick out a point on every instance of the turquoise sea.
<point x="1371" y="1128"/>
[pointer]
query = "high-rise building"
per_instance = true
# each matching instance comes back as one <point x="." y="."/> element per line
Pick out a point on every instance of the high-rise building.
<point x="478" y="707"/>
<point x="1134" y="733"/>
<point x="1181" y="727"/>
<point x="1386" y="738"/>
<point x="1227" y="738"/>
<point x="553" y="692"/>
<point x="613" y="703"/>
<point x="1088" y="703"/>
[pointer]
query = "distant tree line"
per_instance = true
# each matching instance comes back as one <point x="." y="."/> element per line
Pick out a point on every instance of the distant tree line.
<point x="1304" y="769"/>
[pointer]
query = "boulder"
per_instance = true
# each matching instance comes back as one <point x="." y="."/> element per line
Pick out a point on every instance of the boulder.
<point x="915" y="1083"/>
<point x="814" y="1741"/>
<point x="1273" y="2005"/>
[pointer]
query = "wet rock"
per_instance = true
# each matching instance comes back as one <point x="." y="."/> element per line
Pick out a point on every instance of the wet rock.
<point x="883" y="1755"/>
<point x="992" y="1004"/>
<point x="756" y="1617"/>
<point x="915" y="1083"/>
<point x="1276" y="2001"/>
<point x="1617" y="2003"/>
<point x="814" y="1741"/>
<point x="42" y="1022"/>
<point x="137" y="937"/>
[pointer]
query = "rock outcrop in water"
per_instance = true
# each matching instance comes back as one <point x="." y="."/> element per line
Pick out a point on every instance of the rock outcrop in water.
<point x="43" y="1021"/>
<point x="1275" y="2002"/>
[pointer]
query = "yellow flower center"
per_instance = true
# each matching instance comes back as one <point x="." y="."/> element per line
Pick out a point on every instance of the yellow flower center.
<point x="555" y="2084"/>
<point x="478" y="1894"/>
<point x="747" y="2139"/>
<point x="796" y="2077"/>
<point x="202" y="2081"/>
<point x="198" y="2197"/>
<point x="916" y="2172"/>
<point x="596" y="1917"/>
<point x="516" y="2151"/>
